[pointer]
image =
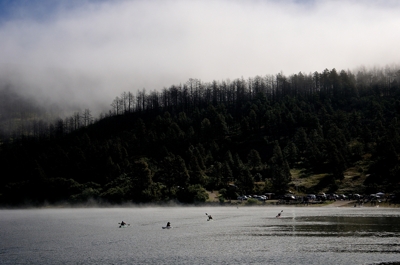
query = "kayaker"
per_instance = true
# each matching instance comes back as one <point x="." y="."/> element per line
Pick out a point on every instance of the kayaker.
<point x="123" y="223"/>
<point x="168" y="224"/>
<point x="279" y="214"/>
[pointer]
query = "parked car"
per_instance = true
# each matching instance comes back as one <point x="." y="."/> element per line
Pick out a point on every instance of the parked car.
<point x="333" y="197"/>
<point x="262" y="198"/>
<point x="242" y="198"/>
<point x="393" y="198"/>
<point x="311" y="197"/>
<point x="289" y="197"/>
<point x="259" y="197"/>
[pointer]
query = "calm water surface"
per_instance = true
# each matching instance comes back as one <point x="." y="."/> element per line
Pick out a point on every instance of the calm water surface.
<point x="244" y="235"/>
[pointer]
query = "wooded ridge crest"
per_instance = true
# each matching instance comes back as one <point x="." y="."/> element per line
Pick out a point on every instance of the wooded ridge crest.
<point x="236" y="137"/>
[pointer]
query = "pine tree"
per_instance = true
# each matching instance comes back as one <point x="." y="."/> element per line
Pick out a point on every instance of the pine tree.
<point x="254" y="160"/>
<point x="279" y="170"/>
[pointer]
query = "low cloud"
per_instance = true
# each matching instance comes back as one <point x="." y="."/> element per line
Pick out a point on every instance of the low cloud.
<point x="88" y="53"/>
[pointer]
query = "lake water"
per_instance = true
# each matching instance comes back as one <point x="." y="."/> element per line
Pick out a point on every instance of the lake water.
<point x="244" y="235"/>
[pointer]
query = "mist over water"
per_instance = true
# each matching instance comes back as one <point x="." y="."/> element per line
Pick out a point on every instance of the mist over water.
<point x="244" y="235"/>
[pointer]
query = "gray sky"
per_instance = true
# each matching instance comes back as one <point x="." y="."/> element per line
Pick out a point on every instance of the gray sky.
<point x="88" y="52"/>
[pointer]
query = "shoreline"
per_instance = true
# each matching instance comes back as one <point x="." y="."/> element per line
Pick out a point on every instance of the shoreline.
<point x="233" y="203"/>
<point x="368" y="204"/>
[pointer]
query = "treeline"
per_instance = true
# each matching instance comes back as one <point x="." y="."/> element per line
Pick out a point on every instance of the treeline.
<point x="238" y="137"/>
<point x="30" y="120"/>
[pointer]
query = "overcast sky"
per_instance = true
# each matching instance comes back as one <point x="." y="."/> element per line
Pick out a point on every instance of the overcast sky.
<point x="88" y="52"/>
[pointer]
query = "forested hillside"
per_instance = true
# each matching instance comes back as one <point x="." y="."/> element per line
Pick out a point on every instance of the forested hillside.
<point x="237" y="137"/>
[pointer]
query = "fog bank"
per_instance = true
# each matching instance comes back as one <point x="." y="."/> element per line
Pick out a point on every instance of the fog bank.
<point x="82" y="54"/>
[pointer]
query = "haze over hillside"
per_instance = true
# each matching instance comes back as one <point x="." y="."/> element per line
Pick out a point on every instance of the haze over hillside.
<point x="82" y="54"/>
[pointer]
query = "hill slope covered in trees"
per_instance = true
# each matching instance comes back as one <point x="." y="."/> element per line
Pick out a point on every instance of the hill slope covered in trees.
<point x="238" y="137"/>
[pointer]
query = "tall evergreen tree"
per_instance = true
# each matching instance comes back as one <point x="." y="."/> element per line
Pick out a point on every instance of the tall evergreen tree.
<point x="279" y="170"/>
<point x="254" y="160"/>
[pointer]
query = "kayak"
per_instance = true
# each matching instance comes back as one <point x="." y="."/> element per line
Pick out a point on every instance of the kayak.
<point x="123" y="226"/>
<point x="166" y="227"/>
